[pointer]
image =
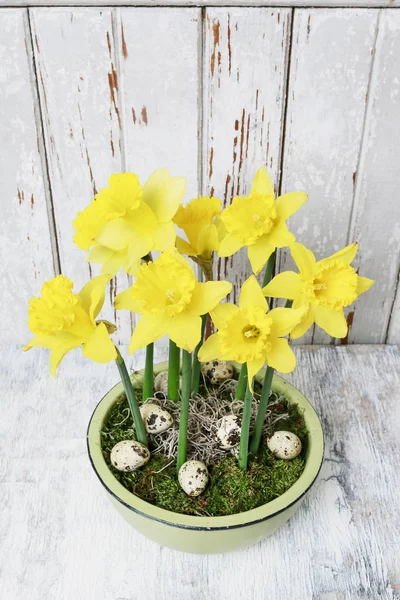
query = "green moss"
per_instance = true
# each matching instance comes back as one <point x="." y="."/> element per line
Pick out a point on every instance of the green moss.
<point x="229" y="490"/>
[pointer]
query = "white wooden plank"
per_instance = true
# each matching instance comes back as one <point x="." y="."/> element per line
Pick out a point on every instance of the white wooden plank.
<point x="244" y="88"/>
<point x="376" y="222"/>
<point x="61" y="538"/>
<point x="76" y="63"/>
<point x="158" y="54"/>
<point x="233" y="3"/>
<point x="329" y="74"/>
<point x="25" y="248"/>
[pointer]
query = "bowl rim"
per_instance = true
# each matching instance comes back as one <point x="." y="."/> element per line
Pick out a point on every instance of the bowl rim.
<point x="314" y="459"/>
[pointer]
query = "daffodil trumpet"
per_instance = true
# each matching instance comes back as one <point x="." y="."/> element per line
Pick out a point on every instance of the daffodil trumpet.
<point x="131" y="397"/>
<point x="184" y="412"/>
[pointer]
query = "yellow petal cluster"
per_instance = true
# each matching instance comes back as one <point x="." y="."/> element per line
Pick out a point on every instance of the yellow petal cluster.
<point x="250" y="334"/>
<point x="170" y="299"/>
<point x="199" y="221"/>
<point x="258" y="221"/>
<point x="323" y="288"/>
<point x="126" y="220"/>
<point x="61" y="320"/>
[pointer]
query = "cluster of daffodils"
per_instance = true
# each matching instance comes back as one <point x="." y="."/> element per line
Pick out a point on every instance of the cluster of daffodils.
<point x="123" y="228"/>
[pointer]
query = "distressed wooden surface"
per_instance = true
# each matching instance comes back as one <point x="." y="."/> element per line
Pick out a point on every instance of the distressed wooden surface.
<point x="60" y="538"/>
<point x="293" y="3"/>
<point x="243" y="107"/>
<point x="212" y="93"/>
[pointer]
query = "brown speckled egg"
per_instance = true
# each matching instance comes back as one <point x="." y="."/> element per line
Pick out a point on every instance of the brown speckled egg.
<point x="156" y="419"/>
<point x="129" y="455"/>
<point x="161" y="383"/>
<point x="284" y="444"/>
<point x="217" y="371"/>
<point x="193" y="477"/>
<point x="229" y="431"/>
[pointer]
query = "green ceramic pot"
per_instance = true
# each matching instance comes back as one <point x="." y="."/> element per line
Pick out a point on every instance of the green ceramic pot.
<point x="207" y="535"/>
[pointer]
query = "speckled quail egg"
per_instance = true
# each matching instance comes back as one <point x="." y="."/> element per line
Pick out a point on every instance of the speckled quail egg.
<point x="284" y="444"/>
<point x="193" y="477"/>
<point x="129" y="455"/>
<point x="217" y="371"/>
<point x="161" y="383"/>
<point x="229" y="431"/>
<point x="156" y="419"/>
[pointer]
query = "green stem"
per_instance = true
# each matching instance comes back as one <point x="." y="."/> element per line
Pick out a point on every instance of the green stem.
<point x="148" y="379"/>
<point x="196" y="362"/>
<point x="173" y="371"/>
<point x="269" y="269"/>
<point x="131" y="397"/>
<point x="242" y="383"/>
<point x="244" y="436"/>
<point x="288" y="303"/>
<point x="258" y="427"/>
<point x="184" y="415"/>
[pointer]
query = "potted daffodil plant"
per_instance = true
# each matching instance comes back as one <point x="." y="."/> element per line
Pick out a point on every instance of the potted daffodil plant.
<point x="212" y="450"/>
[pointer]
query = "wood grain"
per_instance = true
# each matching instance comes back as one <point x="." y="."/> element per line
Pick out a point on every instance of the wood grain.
<point x="78" y="83"/>
<point x="376" y="216"/>
<point x="243" y="107"/>
<point x="233" y="3"/>
<point x="25" y="244"/>
<point x="329" y="73"/>
<point x="60" y="538"/>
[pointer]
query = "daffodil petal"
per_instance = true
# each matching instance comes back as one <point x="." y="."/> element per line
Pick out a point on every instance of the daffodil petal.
<point x="207" y="295"/>
<point x="139" y="247"/>
<point x="92" y="295"/>
<point x="116" y="235"/>
<point x="259" y="253"/>
<point x="99" y="347"/>
<point x="164" y="236"/>
<point x="284" y="285"/>
<point x="287" y="204"/>
<point x="163" y="193"/>
<point x="208" y="240"/>
<point x="222" y="312"/>
<point x="253" y="366"/>
<point x="63" y="344"/>
<point x="280" y="356"/>
<point x="148" y="330"/>
<point x="262" y="183"/>
<point x="305" y="323"/>
<point x="99" y="255"/>
<point x="40" y="342"/>
<point x="285" y="319"/>
<point x="210" y="350"/>
<point x="113" y="264"/>
<point x="331" y="321"/>
<point x="125" y="300"/>
<point x="304" y="258"/>
<point x="363" y="284"/>
<point x="345" y="255"/>
<point x="184" y="247"/>
<point x="280" y="236"/>
<point x="229" y="245"/>
<point x="251" y="294"/>
<point x="185" y="330"/>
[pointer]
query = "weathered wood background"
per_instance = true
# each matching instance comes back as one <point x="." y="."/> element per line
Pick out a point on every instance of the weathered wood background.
<point x="211" y="93"/>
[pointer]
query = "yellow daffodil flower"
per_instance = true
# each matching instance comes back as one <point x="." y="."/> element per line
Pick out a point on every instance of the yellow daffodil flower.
<point x="171" y="301"/>
<point x="61" y="320"/>
<point x="127" y="221"/>
<point x="258" y="221"/>
<point x="198" y="219"/>
<point x="323" y="287"/>
<point x="248" y="333"/>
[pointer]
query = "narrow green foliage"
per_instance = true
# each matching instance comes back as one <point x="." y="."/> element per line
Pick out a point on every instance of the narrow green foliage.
<point x="258" y="427"/>
<point x="130" y="394"/>
<point x="173" y="371"/>
<point x="196" y="363"/>
<point x="269" y="269"/>
<point x="244" y="436"/>
<point x="148" y="379"/>
<point x="184" y="415"/>
<point x="288" y="303"/>
<point x="242" y="383"/>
